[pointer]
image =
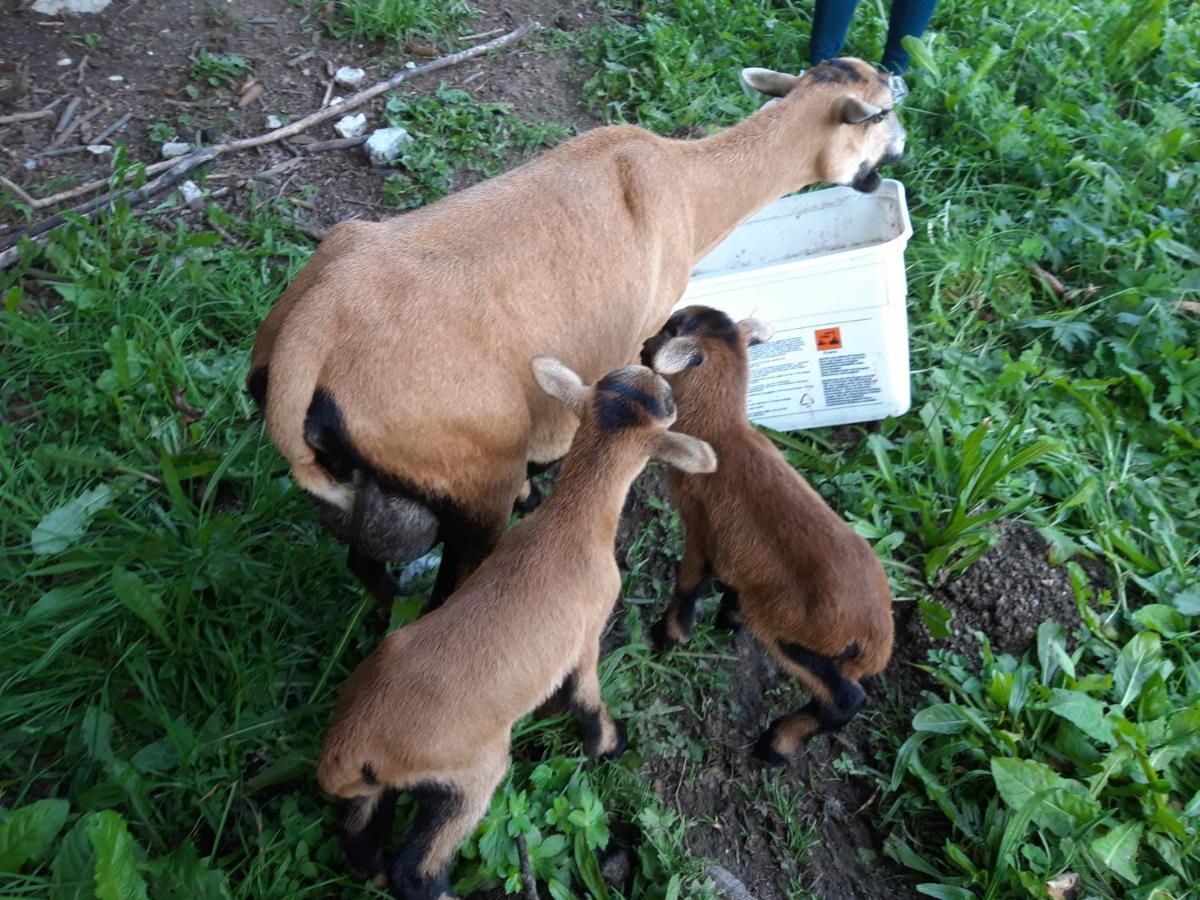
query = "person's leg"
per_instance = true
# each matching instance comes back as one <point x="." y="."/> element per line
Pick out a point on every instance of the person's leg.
<point x="908" y="17"/>
<point x="831" y="22"/>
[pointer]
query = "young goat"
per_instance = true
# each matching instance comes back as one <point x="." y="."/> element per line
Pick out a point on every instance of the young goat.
<point x="808" y="588"/>
<point x="431" y="709"/>
<point x="579" y="254"/>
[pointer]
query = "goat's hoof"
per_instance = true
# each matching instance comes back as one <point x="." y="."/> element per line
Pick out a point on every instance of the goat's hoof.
<point x="660" y="641"/>
<point x="765" y="752"/>
<point x="728" y="622"/>
<point x="620" y="747"/>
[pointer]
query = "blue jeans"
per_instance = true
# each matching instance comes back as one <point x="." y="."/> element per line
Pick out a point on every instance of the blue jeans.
<point x="831" y="22"/>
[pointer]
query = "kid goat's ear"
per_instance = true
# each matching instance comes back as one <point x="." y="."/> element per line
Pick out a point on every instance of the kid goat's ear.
<point x="768" y="81"/>
<point x="755" y="331"/>
<point x="687" y="453"/>
<point x="677" y="354"/>
<point x="561" y="383"/>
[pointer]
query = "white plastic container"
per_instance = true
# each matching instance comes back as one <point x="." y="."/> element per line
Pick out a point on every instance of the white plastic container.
<point x="827" y="270"/>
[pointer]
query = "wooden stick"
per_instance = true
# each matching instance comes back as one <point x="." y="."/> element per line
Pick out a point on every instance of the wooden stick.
<point x="46" y="113"/>
<point x="287" y="131"/>
<point x="528" y="881"/>
<point x="111" y="129"/>
<point x="338" y="144"/>
<point x="10" y="252"/>
<point x="16" y="190"/>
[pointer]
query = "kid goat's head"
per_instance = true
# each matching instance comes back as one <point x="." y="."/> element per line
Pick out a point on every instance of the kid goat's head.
<point x="703" y="352"/>
<point x="865" y="132"/>
<point x="628" y="404"/>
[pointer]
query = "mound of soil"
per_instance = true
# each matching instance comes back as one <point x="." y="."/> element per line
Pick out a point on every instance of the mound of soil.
<point x="1006" y="595"/>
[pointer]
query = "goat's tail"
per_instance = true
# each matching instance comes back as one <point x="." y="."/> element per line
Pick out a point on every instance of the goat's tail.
<point x="296" y="363"/>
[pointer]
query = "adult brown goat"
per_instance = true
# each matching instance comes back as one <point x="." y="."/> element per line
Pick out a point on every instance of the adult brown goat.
<point x="806" y="586"/>
<point x="430" y="711"/>
<point x="579" y="254"/>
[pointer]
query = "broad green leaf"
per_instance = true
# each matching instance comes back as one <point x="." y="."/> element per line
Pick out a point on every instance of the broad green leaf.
<point x="936" y="618"/>
<point x="943" y="718"/>
<point x="900" y="851"/>
<point x="1187" y="602"/>
<point x="71" y="872"/>
<point x="66" y="524"/>
<point x="1026" y="785"/>
<point x="95" y="732"/>
<point x="1169" y="850"/>
<point x="27" y="833"/>
<point x="1052" y="650"/>
<point x="1118" y="849"/>
<point x="921" y="55"/>
<point x="117" y="873"/>
<point x="1084" y="712"/>
<point x="1155" y="700"/>
<point x="182" y="875"/>
<point x="129" y="588"/>
<point x="1135" y="664"/>
<point x="1161" y="618"/>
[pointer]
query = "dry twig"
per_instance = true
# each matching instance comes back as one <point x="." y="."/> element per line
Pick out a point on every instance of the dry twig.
<point x="316" y="118"/>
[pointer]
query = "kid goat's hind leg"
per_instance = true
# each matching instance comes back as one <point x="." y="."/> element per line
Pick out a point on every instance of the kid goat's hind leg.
<point x="446" y="813"/>
<point x="676" y="624"/>
<point x="366" y="826"/>
<point x="835" y="701"/>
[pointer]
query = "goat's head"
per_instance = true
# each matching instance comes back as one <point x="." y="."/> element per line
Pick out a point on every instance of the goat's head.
<point x="631" y="404"/>
<point x="865" y="132"/>
<point x="695" y="334"/>
<point x="702" y="352"/>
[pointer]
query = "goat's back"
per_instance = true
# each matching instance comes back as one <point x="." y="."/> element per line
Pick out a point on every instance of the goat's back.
<point x="425" y="323"/>
<point x="802" y="574"/>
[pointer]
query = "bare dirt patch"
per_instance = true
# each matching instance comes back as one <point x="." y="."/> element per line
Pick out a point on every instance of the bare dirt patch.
<point x="135" y="58"/>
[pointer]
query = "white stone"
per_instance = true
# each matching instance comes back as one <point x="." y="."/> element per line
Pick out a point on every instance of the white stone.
<point x="349" y="77"/>
<point x="385" y="145"/>
<point x="172" y="149"/>
<point x="410" y="65"/>
<point x="351" y="126"/>
<point x="99" y="149"/>
<point x="116" y="77"/>
<point x="274" y="122"/>
<point x="54" y="7"/>
<point x="335" y="101"/>
<point x="190" y="192"/>
<point x="419" y="567"/>
<point x="65" y="61"/>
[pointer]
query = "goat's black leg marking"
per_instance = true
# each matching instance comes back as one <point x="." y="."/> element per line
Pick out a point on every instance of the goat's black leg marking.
<point x="677" y="622"/>
<point x="436" y="806"/>
<point x="374" y="576"/>
<point x="729" y="616"/>
<point x="531" y="502"/>
<point x="366" y="827"/>
<point x="787" y="733"/>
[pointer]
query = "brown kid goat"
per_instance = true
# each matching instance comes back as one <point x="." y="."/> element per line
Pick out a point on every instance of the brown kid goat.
<point x="579" y="254"/>
<point x="806" y="586"/>
<point x="430" y="710"/>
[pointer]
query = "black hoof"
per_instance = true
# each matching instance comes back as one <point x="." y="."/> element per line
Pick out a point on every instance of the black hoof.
<point x="660" y="641"/>
<point x="622" y="743"/>
<point x="766" y="754"/>
<point x="728" y="621"/>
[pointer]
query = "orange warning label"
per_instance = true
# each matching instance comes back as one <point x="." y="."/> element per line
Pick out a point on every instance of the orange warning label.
<point x="829" y="338"/>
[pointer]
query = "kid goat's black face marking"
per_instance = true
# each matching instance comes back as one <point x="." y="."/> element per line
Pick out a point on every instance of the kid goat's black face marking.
<point x="701" y="321"/>
<point x="622" y="404"/>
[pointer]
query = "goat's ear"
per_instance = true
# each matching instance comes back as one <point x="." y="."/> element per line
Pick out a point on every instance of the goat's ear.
<point x="755" y="331"/>
<point x="687" y="453"/>
<point x="677" y="354"/>
<point x="560" y="382"/>
<point x="856" y="111"/>
<point x="768" y="81"/>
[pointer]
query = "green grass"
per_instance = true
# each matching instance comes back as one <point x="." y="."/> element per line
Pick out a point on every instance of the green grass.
<point x="453" y="133"/>
<point x="397" y="20"/>
<point x="175" y="626"/>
